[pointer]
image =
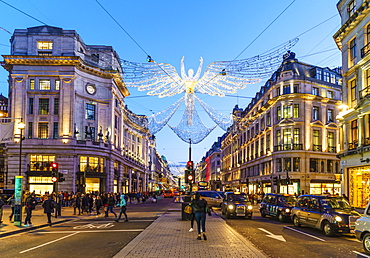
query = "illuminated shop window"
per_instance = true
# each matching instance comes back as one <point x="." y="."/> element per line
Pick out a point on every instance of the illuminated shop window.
<point x="91" y="164"/>
<point x="41" y="162"/>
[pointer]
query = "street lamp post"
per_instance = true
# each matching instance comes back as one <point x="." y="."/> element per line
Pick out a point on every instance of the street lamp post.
<point x="18" y="182"/>
<point x="21" y="126"/>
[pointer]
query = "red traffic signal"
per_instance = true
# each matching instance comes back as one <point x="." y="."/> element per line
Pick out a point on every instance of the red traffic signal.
<point x="54" y="179"/>
<point x="54" y="166"/>
<point x="190" y="165"/>
<point x="190" y="177"/>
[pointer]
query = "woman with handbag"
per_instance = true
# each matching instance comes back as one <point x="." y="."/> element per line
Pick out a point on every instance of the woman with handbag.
<point x="200" y="208"/>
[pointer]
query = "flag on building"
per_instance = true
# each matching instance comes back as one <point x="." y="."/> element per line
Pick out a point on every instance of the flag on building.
<point x="6" y="132"/>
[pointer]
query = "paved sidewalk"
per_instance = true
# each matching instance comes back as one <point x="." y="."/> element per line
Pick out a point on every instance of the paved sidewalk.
<point x="169" y="236"/>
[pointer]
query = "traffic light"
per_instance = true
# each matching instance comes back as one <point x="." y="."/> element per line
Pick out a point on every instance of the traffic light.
<point x="61" y="177"/>
<point x="191" y="179"/>
<point x="54" y="172"/>
<point x="190" y="165"/>
<point x="186" y="176"/>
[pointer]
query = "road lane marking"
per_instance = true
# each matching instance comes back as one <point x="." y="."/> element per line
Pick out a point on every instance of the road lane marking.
<point x="361" y="254"/>
<point x="56" y="240"/>
<point x="88" y="231"/>
<point x="108" y="225"/>
<point x="296" y="230"/>
<point x="277" y="237"/>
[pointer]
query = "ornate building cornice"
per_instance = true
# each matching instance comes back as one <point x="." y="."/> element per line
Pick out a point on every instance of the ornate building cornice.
<point x="76" y="61"/>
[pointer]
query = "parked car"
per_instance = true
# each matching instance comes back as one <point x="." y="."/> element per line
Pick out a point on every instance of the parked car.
<point x="362" y="229"/>
<point x="237" y="205"/>
<point x="213" y="198"/>
<point x="277" y="205"/>
<point x="325" y="212"/>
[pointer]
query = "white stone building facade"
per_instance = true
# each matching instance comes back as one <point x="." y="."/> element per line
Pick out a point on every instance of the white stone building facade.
<point x="71" y="98"/>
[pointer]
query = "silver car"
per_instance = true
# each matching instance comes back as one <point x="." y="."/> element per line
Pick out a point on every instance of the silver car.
<point x="213" y="198"/>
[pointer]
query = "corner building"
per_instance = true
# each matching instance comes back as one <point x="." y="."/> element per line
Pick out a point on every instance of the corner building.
<point x="71" y="98"/>
<point x="353" y="39"/>
<point x="286" y="139"/>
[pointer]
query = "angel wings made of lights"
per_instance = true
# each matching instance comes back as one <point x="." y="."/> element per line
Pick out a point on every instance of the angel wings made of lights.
<point x="220" y="78"/>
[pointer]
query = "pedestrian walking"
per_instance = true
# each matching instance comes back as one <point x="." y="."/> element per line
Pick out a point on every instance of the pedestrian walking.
<point x="110" y="203"/>
<point x="84" y="204"/>
<point x="192" y="217"/>
<point x="58" y="204"/>
<point x="122" y="204"/>
<point x="98" y="205"/>
<point x="30" y="206"/>
<point x="2" y="203"/>
<point x="11" y="203"/>
<point x="49" y="206"/>
<point x="200" y="207"/>
<point x="76" y="204"/>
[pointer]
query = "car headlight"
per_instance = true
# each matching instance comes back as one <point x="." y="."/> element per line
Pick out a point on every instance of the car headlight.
<point x="287" y="210"/>
<point x="338" y="219"/>
<point x="231" y="207"/>
<point x="250" y="207"/>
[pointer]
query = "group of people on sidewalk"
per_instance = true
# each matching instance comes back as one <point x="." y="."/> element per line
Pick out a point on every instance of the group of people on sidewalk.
<point x="83" y="203"/>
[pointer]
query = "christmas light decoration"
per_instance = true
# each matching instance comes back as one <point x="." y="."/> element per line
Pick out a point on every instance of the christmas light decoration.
<point x="220" y="78"/>
<point x="220" y="119"/>
<point x="197" y="131"/>
<point x="159" y="120"/>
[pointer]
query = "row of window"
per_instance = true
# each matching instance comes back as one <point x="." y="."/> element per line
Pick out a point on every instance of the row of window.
<point x="44" y="84"/>
<point x="43" y="106"/>
<point x="291" y="164"/>
<point x="86" y="163"/>
<point x="43" y="130"/>
<point x="286" y="139"/>
<point x="283" y="112"/>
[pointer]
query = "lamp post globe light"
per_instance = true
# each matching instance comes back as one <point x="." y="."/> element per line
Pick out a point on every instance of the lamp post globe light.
<point x="18" y="182"/>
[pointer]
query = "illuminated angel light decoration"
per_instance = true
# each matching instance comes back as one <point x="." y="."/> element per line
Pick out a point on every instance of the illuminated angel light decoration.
<point x="220" y="78"/>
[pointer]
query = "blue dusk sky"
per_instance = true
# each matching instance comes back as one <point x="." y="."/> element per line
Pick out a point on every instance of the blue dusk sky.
<point x="169" y="29"/>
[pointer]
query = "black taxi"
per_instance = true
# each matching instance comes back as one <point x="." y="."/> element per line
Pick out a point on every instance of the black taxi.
<point x="277" y="205"/>
<point x="328" y="213"/>
<point x="236" y="204"/>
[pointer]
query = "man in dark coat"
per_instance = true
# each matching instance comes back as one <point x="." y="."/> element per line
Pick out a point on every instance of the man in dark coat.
<point x="48" y="206"/>
<point x="30" y="206"/>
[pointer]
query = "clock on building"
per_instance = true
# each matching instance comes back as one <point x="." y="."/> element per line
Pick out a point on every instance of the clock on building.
<point x="90" y="89"/>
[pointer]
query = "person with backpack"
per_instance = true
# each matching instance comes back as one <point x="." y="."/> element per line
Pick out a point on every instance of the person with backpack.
<point x="49" y="206"/>
<point x="200" y="208"/>
<point x="122" y="204"/>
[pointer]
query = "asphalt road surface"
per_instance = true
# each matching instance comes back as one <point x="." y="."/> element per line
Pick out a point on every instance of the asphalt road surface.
<point x="91" y="237"/>
<point x="283" y="239"/>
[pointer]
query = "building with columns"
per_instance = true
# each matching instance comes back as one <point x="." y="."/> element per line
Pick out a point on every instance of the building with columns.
<point x="286" y="139"/>
<point x="70" y="96"/>
<point x="353" y="39"/>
